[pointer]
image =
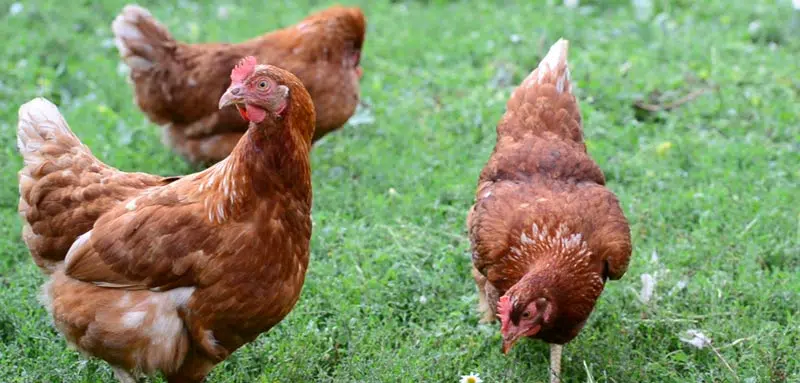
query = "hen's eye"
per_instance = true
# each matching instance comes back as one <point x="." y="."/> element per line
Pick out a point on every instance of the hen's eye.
<point x="262" y="85"/>
<point x="526" y="314"/>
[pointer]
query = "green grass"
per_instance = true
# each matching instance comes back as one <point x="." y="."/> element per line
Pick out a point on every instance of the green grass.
<point x="710" y="187"/>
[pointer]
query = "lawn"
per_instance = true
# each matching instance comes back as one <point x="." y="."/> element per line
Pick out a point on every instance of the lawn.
<point x="710" y="187"/>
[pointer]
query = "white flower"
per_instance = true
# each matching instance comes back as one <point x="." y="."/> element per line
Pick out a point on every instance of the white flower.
<point x="572" y="3"/>
<point x="696" y="338"/>
<point x="16" y="8"/>
<point x="679" y="286"/>
<point x="223" y="12"/>
<point x="754" y="27"/>
<point x="796" y="4"/>
<point x="471" y="378"/>
<point x="363" y="116"/>
<point x="643" y="9"/>
<point x="123" y="69"/>
<point x="648" y="287"/>
<point x="654" y="255"/>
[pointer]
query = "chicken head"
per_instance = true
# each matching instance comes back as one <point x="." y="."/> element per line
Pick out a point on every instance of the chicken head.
<point x="522" y="320"/>
<point x="255" y="92"/>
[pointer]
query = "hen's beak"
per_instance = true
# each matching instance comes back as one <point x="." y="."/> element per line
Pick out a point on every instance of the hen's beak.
<point x="509" y="342"/>
<point x="234" y="95"/>
<point x="510" y="339"/>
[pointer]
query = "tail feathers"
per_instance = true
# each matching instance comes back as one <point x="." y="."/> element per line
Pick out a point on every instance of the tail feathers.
<point x="544" y="102"/>
<point x="42" y="132"/>
<point x="140" y="38"/>
<point x="553" y="69"/>
<point x="354" y="26"/>
<point x="336" y="26"/>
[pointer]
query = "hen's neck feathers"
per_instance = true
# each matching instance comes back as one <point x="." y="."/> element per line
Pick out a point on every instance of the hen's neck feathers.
<point x="271" y="158"/>
<point x="555" y="259"/>
<point x="541" y="248"/>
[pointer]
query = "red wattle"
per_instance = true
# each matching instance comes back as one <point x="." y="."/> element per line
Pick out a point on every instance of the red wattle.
<point x="255" y="114"/>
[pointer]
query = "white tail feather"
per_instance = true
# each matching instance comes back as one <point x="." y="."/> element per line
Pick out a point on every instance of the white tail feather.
<point x="41" y="122"/>
<point x="555" y="64"/>
<point x="125" y="28"/>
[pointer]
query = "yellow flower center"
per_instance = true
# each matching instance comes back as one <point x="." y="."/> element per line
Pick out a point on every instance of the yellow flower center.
<point x="472" y="379"/>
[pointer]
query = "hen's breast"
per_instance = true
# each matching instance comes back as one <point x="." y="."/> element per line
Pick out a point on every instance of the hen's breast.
<point x="257" y="278"/>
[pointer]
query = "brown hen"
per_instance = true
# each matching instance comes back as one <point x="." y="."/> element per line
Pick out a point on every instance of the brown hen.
<point x="546" y="234"/>
<point x="178" y="85"/>
<point x="173" y="275"/>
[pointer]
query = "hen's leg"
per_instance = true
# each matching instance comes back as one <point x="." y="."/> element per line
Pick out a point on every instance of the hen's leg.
<point x="555" y="363"/>
<point x="122" y="375"/>
<point x="193" y="370"/>
<point x="203" y="338"/>
<point x="487" y="297"/>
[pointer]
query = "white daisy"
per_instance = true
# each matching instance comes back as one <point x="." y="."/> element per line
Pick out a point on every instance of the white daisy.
<point x="648" y="287"/>
<point x="471" y="378"/>
<point x="696" y="338"/>
<point x="15" y="9"/>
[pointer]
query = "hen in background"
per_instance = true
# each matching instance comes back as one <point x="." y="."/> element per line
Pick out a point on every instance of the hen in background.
<point x="172" y="275"/>
<point x="545" y="232"/>
<point x="178" y="85"/>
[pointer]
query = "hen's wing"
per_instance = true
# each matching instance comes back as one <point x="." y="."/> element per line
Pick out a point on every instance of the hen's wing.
<point x="63" y="188"/>
<point x="160" y="241"/>
<point x="604" y="219"/>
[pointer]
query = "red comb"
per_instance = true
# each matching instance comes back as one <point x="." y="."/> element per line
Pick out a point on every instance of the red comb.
<point x="504" y="306"/>
<point x="244" y="68"/>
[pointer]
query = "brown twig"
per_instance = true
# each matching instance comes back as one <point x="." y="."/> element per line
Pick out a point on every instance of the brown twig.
<point x="725" y="362"/>
<point x="672" y="105"/>
<point x="734" y="343"/>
